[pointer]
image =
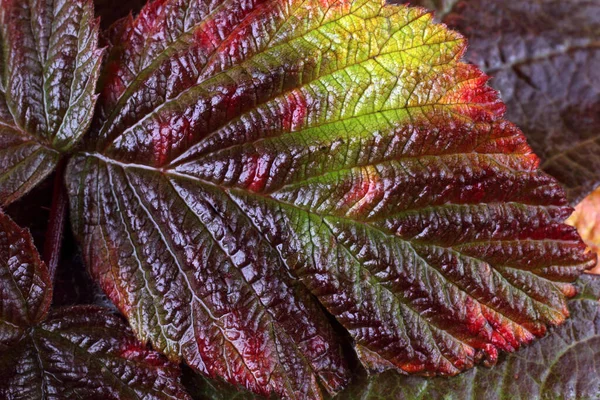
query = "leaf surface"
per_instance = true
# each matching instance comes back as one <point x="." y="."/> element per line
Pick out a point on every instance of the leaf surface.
<point x="544" y="57"/>
<point x="49" y="65"/>
<point x="77" y="352"/>
<point x="25" y="286"/>
<point x="244" y="147"/>
<point x="563" y="365"/>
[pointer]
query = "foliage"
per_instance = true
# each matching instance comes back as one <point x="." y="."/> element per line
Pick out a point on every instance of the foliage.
<point x="288" y="195"/>
<point x="70" y="352"/>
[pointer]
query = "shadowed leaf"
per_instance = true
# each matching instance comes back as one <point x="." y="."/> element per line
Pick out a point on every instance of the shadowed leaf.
<point x="49" y="64"/>
<point x="76" y="352"/>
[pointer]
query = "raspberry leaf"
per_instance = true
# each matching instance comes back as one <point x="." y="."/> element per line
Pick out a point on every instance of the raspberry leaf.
<point x="246" y="153"/>
<point x="74" y="352"/>
<point x="48" y="70"/>
<point x="25" y="285"/>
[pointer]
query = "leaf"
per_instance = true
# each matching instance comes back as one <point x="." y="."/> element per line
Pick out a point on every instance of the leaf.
<point x="544" y="58"/>
<point x="25" y="286"/>
<point x="586" y="219"/>
<point x="563" y="365"/>
<point x="48" y="71"/>
<point x="75" y="352"/>
<point x="242" y="147"/>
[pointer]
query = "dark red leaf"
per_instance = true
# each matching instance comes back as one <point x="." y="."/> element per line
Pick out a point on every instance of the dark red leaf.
<point x="25" y="286"/>
<point x="79" y="352"/>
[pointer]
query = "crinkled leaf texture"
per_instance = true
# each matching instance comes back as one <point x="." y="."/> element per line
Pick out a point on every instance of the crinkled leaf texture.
<point x="49" y="65"/>
<point x="252" y="157"/>
<point x="75" y="352"/>
<point x="544" y="57"/>
<point x="563" y="365"/>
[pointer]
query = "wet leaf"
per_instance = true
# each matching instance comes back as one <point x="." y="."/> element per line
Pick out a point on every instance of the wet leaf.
<point x="25" y="286"/>
<point x="544" y="57"/>
<point x="563" y="365"/>
<point x="75" y="352"/>
<point x="48" y="70"/>
<point x="246" y="153"/>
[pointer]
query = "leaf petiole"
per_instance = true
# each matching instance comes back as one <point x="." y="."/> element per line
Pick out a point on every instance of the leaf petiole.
<point x="56" y="223"/>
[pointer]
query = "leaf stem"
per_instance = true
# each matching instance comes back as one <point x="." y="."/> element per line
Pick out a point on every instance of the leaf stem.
<point x="56" y="224"/>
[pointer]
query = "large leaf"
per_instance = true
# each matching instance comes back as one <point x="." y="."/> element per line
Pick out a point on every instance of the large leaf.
<point x="242" y="147"/>
<point x="545" y="60"/>
<point x="77" y="352"/>
<point x="49" y="64"/>
<point x="563" y="365"/>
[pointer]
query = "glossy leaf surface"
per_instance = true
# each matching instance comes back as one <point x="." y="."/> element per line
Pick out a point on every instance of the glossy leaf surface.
<point x="25" y="286"/>
<point x="244" y="147"/>
<point x="544" y="57"/>
<point x="77" y="352"/>
<point x="48" y="70"/>
<point x="563" y="365"/>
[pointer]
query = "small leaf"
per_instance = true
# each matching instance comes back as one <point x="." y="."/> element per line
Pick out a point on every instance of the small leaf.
<point x="244" y="147"/>
<point x="563" y="365"/>
<point x="25" y="286"/>
<point x="77" y="352"/>
<point x="586" y="219"/>
<point x="49" y="65"/>
<point x="544" y="58"/>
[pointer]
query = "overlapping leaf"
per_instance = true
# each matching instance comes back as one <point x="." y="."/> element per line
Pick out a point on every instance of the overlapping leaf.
<point x="25" y="286"/>
<point x="49" y="64"/>
<point x="243" y="147"/>
<point x="545" y="60"/>
<point x="564" y="365"/>
<point x="76" y="352"/>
